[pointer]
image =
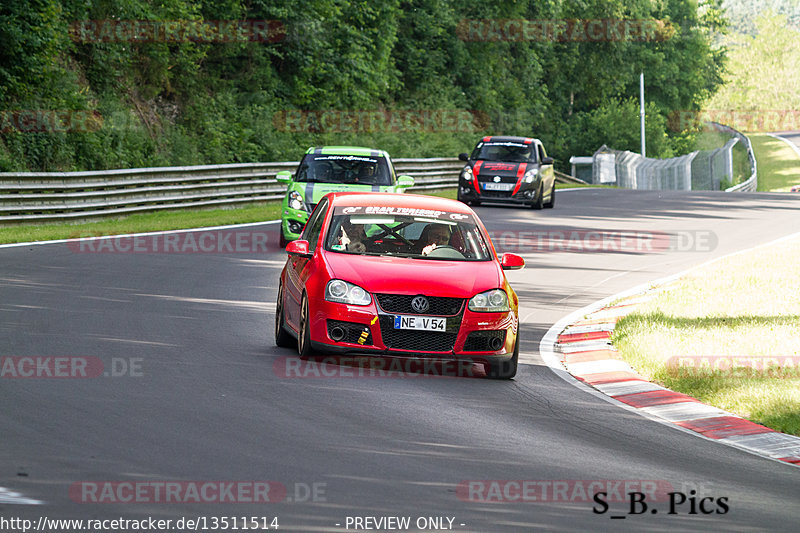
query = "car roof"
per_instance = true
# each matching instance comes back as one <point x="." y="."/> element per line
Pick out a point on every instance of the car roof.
<point x="347" y="150"/>
<point x="383" y="199"/>
<point x="506" y="138"/>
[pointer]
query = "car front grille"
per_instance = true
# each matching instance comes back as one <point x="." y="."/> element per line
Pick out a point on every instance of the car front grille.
<point x="496" y="194"/>
<point x="416" y="340"/>
<point x="438" y="306"/>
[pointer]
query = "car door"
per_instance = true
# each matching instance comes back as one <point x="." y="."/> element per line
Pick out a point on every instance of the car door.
<point x="298" y="267"/>
<point x="546" y="171"/>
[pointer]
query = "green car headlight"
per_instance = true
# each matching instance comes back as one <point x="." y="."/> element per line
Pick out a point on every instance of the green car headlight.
<point x="296" y="201"/>
<point x="494" y="301"/>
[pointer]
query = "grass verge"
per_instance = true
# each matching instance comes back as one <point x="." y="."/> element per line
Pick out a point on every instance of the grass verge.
<point x="778" y="164"/>
<point x="727" y="313"/>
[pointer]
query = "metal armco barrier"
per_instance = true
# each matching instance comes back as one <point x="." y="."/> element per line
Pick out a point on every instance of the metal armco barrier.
<point x="34" y="197"/>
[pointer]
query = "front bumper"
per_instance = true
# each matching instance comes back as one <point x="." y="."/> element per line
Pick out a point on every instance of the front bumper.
<point x="292" y="222"/>
<point x="368" y="330"/>
<point x="525" y="194"/>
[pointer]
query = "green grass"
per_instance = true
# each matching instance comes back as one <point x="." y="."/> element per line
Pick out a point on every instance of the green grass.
<point x="755" y="312"/>
<point x="778" y="164"/>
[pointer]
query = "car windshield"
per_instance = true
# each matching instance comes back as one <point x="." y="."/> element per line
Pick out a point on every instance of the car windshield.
<point x="350" y="169"/>
<point x="517" y="152"/>
<point x="404" y="232"/>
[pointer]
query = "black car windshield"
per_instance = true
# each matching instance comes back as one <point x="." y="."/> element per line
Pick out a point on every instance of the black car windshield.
<point x="517" y="152"/>
<point x="414" y="233"/>
<point x="350" y="169"/>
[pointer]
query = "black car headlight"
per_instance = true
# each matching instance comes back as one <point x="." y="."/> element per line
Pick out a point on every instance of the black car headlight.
<point x="467" y="173"/>
<point x="296" y="201"/>
<point x="346" y="293"/>
<point x="494" y="301"/>
<point x="531" y="175"/>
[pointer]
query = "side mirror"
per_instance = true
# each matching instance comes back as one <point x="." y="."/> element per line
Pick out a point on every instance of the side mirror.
<point x="284" y="176"/>
<point x="463" y="157"/>
<point x="404" y="182"/>
<point x="547" y="160"/>
<point x="511" y="262"/>
<point x="298" y="247"/>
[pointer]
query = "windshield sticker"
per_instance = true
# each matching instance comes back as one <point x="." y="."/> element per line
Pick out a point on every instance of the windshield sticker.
<point x="344" y="158"/>
<point x="401" y="211"/>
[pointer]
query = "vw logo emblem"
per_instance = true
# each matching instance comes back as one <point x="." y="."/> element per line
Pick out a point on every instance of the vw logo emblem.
<point x="420" y="304"/>
<point x="496" y="179"/>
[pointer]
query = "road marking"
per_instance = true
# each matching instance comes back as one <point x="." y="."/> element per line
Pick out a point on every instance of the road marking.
<point x="8" y="496"/>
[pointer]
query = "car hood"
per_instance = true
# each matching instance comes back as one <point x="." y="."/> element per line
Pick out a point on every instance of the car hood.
<point x="402" y="275"/>
<point x="502" y="169"/>
<point x="313" y="192"/>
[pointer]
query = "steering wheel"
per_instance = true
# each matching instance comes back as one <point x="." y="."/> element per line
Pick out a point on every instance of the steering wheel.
<point x="446" y="251"/>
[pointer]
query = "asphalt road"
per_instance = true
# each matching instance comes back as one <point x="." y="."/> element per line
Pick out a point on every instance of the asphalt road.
<point x="207" y="400"/>
<point x="791" y="136"/>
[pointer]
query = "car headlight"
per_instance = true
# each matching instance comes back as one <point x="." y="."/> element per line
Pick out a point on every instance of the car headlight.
<point x="296" y="201"/>
<point x="531" y="174"/>
<point x="494" y="301"/>
<point x="467" y="173"/>
<point x="346" y="293"/>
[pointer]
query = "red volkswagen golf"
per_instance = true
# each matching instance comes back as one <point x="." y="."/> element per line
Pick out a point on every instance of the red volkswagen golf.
<point x="399" y="275"/>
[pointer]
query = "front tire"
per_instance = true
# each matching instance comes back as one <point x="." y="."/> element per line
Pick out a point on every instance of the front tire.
<point x="304" y="333"/>
<point x="550" y="204"/>
<point x="504" y="369"/>
<point x="539" y="202"/>
<point x="282" y="337"/>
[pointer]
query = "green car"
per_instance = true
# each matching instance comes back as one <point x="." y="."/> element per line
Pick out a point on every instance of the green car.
<point x="333" y="168"/>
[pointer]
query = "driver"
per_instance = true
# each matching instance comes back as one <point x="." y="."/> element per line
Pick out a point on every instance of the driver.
<point x="435" y="235"/>
<point x="353" y="237"/>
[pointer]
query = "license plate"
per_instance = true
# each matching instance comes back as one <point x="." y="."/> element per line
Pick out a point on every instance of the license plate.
<point x="425" y="323"/>
<point x="498" y="186"/>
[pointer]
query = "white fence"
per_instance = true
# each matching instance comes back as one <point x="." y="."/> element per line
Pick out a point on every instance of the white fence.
<point x="699" y="170"/>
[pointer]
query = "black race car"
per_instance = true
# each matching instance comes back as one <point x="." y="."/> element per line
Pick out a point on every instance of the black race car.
<point x="510" y="170"/>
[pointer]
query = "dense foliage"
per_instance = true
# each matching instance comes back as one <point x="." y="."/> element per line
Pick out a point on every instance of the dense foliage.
<point x="385" y="73"/>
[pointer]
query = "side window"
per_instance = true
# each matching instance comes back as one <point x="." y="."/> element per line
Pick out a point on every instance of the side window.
<point x="540" y="149"/>
<point x="314" y="225"/>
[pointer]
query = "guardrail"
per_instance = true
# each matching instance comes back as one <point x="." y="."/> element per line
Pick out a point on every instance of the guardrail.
<point x="751" y="183"/>
<point x="33" y="197"/>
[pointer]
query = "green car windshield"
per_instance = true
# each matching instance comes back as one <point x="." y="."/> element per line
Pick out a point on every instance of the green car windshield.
<point x="430" y="235"/>
<point x="349" y="169"/>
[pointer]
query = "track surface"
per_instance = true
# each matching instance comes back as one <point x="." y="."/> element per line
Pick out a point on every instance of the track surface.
<point x="208" y="404"/>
